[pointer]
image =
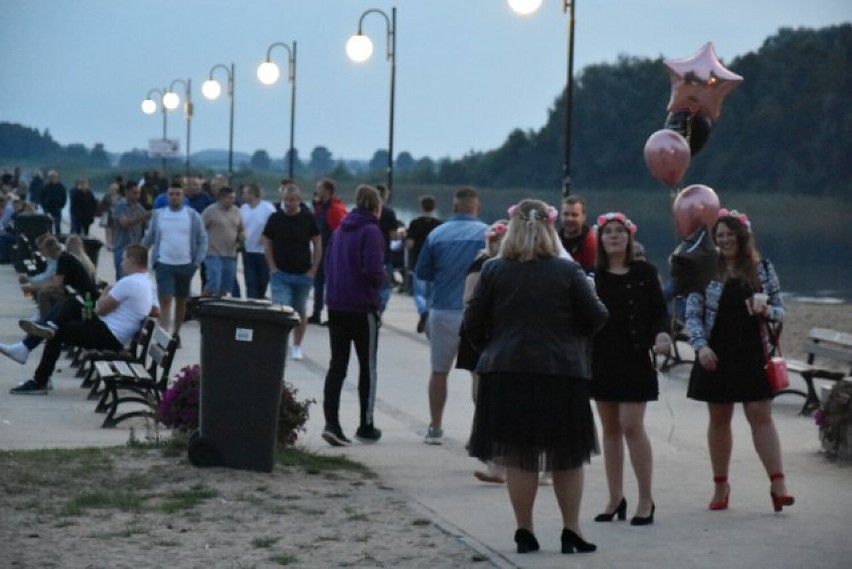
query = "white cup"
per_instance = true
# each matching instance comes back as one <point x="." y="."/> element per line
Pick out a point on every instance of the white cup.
<point x="759" y="302"/>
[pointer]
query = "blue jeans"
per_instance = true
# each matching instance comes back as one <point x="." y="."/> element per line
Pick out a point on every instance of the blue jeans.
<point x="291" y="289"/>
<point x="256" y="272"/>
<point x="117" y="255"/>
<point x="221" y="274"/>
<point x="385" y="288"/>
<point x="422" y="294"/>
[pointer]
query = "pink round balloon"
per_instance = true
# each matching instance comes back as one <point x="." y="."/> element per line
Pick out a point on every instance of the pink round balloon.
<point x="667" y="156"/>
<point x="693" y="207"/>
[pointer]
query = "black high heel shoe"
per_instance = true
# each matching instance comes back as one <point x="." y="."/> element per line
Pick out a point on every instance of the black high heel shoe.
<point x="620" y="511"/>
<point x="637" y="521"/>
<point x="526" y="541"/>
<point x="572" y="542"/>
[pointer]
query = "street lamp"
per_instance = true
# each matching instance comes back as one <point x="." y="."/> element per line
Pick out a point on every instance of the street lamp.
<point x="359" y="48"/>
<point x="525" y="7"/>
<point x="149" y="107"/>
<point x="211" y="90"/>
<point x="268" y="73"/>
<point x="171" y="100"/>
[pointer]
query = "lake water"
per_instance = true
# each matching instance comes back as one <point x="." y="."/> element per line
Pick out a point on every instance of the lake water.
<point x="808" y="240"/>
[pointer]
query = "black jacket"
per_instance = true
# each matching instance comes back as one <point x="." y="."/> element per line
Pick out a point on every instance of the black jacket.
<point x="534" y="317"/>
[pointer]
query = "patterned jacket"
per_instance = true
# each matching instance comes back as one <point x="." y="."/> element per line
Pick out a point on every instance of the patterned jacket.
<point x="701" y="309"/>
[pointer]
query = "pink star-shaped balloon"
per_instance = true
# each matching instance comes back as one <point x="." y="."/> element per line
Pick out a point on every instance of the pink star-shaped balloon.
<point x="700" y="82"/>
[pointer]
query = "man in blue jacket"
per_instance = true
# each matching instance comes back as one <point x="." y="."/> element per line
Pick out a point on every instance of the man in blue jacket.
<point x="354" y="272"/>
<point x="444" y="259"/>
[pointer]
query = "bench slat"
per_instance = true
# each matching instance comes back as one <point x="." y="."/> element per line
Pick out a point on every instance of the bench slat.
<point x="827" y="335"/>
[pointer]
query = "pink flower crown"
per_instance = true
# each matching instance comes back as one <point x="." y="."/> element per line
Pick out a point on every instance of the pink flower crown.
<point x="495" y="231"/>
<point x="741" y="217"/>
<point x="616" y="216"/>
<point x="532" y="214"/>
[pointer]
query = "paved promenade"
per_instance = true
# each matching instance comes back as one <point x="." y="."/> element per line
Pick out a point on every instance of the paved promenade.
<point x="439" y="479"/>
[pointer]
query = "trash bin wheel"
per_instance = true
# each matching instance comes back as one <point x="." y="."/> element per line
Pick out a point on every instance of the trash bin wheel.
<point x="202" y="453"/>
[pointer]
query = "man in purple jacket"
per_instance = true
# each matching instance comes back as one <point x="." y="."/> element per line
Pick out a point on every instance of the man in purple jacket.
<point x="354" y="272"/>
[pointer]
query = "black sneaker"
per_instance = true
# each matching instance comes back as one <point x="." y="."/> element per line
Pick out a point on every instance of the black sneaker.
<point x="335" y="437"/>
<point x="421" y="323"/>
<point x="368" y="434"/>
<point x="315" y="319"/>
<point x="28" y="387"/>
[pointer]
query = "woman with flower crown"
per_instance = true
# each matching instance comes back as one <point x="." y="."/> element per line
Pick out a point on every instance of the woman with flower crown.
<point x="725" y="324"/>
<point x="532" y="315"/>
<point x="623" y="375"/>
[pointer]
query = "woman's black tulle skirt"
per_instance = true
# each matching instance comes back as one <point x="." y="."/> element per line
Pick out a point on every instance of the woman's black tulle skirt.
<point x="533" y="422"/>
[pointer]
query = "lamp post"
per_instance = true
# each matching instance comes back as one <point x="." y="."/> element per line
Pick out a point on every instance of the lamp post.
<point x="149" y="107"/>
<point x="268" y="73"/>
<point x="525" y="7"/>
<point x="171" y="100"/>
<point x="359" y="48"/>
<point x="211" y="90"/>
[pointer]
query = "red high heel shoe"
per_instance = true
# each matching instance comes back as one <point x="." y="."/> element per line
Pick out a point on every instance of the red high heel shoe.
<point x="779" y="501"/>
<point x="723" y="503"/>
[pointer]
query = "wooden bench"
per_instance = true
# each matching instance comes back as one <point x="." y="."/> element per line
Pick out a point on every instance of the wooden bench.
<point x="134" y="383"/>
<point x="822" y="343"/>
<point x="137" y="352"/>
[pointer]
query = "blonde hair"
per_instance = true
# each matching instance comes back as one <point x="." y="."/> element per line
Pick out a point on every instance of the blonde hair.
<point x="530" y="235"/>
<point x="74" y="245"/>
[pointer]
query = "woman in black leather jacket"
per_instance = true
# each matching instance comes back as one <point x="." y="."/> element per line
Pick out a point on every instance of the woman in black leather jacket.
<point x="532" y="315"/>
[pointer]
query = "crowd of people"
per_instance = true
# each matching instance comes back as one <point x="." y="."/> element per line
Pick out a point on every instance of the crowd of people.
<point x="546" y="316"/>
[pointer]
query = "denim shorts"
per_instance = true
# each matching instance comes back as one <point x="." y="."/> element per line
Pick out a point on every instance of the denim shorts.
<point x="173" y="280"/>
<point x="221" y="273"/>
<point x="291" y="289"/>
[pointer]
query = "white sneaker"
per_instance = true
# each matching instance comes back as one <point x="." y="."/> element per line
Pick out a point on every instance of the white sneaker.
<point x="296" y="353"/>
<point x="17" y="352"/>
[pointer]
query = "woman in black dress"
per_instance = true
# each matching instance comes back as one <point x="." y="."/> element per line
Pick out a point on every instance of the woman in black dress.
<point x="725" y="323"/>
<point x="532" y="315"/>
<point x="623" y="374"/>
<point x="467" y="356"/>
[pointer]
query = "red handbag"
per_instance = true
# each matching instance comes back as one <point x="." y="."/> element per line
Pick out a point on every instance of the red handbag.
<point x="776" y="366"/>
<point x="776" y="373"/>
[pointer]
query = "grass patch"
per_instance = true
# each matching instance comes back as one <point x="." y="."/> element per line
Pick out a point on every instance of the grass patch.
<point x="264" y="542"/>
<point x="124" y="500"/>
<point x="284" y="559"/>
<point x="188" y="499"/>
<point x="315" y="463"/>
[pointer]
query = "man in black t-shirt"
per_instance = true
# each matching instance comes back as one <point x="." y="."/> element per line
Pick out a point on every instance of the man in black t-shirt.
<point x="390" y="229"/>
<point x="418" y="230"/>
<point x="69" y="272"/>
<point x="293" y="251"/>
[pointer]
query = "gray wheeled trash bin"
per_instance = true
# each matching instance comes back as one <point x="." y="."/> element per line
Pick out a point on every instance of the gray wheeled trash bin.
<point x="243" y="348"/>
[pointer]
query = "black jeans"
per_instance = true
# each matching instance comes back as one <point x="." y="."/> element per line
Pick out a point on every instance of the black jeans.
<point x="92" y="333"/>
<point x="344" y="329"/>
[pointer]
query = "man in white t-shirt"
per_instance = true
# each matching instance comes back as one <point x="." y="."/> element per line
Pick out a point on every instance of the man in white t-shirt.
<point x="178" y="243"/>
<point x="119" y="313"/>
<point x="256" y="212"/>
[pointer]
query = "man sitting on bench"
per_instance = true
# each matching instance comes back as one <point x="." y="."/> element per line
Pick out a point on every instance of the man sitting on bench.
<point x="118" y="314"/>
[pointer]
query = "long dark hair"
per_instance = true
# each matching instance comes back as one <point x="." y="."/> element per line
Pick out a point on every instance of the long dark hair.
<point x="747" y="257"/>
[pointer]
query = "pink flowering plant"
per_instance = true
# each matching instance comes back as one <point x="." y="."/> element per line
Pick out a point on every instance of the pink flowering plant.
<point x="179" y="407"/>
<point x="834" y="419"/>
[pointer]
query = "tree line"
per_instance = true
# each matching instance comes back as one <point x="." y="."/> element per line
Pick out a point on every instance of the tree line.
<point x="787" y="128"/>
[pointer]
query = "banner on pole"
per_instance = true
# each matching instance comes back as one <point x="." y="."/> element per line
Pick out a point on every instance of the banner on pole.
<point x="163" y="147"/>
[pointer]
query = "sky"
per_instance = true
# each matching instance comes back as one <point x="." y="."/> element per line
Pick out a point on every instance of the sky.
<point x="468" y="72"/>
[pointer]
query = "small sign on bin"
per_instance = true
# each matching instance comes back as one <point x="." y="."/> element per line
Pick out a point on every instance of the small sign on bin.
<point x="244" y="335"/>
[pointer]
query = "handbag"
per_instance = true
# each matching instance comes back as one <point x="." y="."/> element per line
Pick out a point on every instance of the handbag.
<point x="776" y="366"/>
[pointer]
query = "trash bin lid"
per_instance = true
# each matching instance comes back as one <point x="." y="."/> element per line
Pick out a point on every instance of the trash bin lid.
<point x="250" y="309"/>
